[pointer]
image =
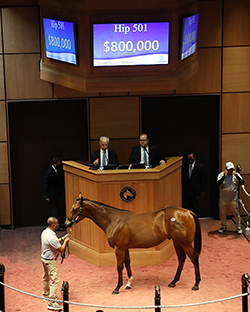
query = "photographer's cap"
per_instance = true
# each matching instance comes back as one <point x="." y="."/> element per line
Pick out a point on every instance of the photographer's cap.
<point x="229" y="165"/>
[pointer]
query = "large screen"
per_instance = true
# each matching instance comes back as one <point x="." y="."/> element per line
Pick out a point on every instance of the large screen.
<point x="189" y="35"/>
<point x="130" y="44"/>
<point x="60" y="40"/>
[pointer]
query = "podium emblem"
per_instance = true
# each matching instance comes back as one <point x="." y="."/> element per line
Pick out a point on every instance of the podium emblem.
<point x="128" y="194"/>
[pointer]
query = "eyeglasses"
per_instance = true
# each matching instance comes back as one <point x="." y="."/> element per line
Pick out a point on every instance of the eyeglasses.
<point x="143" y="140"/>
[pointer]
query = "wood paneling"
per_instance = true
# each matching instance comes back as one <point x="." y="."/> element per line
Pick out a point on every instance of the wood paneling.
<point x="21" y="30"/>
<point x="3" y="132"/>
<point x="2" y="92"/>
<point x="1" y="48"/>
<point x="236" y="148"/>
<point x="116" y="117"/>
<point x="63" y="92"/>
<point x="236" y="73"/>
<point x="245" y="198"/>
<point x="236" y="23"/>
<point x="155" y="188"/>
<point x="208" y="77"/>
<point x="122" y="147"/>
<point x="235" y="112"/>
<point x="4" y="168"/>
<point x="4" y="205"/>
<point x="210" y="24"/>
<point x="113" y="94"/>
<point x="22" y="77"/>
<point x="162" y="92"/>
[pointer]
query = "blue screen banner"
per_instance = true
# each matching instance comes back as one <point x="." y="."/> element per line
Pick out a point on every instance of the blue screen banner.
<point x="189" y="40"/>
<point x="59" y="40"/>
<point x="131" y="44"/>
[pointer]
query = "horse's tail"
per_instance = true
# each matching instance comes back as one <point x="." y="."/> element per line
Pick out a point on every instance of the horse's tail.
<point x="197" y="236"/>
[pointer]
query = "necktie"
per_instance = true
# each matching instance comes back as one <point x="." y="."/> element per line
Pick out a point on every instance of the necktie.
<point x="104" y="159"/>
<point x="190" y="171"/>
<point x="145" y="157"/>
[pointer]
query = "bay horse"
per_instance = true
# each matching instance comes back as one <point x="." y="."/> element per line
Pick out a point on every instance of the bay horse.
<point x="126" y="229"/>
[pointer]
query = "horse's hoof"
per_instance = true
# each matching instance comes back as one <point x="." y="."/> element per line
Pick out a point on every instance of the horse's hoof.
<point x="127" y="287"/>
<point x="171" y="284"/>
<point x="115" y="292"/>
<point x="195" y="287"/>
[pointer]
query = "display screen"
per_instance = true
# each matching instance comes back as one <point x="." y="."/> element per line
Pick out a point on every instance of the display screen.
<point x="60" y="40"/>
<point x="130" y="44"/>
<point x="189" y="35"/>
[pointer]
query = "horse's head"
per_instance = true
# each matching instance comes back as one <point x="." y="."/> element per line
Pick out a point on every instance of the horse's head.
<point x="75" y="214"/>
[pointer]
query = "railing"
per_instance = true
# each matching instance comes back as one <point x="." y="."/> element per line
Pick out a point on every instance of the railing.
<point x="245" y="280"/>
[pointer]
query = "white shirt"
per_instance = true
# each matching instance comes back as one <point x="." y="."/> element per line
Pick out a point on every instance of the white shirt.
<point x="229" y="187"/>
<point x="142" y="155"/>
<point x="106" y="157"/>
<point x="191" y="168"/>
<point x="50" y="244"/>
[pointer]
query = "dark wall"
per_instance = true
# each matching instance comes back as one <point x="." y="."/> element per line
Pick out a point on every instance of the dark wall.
<point x="180" y="124"/>
<point x="40" y="130"/>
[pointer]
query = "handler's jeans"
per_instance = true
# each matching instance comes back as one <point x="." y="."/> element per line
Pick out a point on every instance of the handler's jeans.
<point x="233" y="207"/>
<point x="50" y="272"/>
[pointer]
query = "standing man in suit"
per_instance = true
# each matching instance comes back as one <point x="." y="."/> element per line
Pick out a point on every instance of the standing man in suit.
<point x="53" y="185"/>
<point x="103" y="156"/>
<point x="146" y="154"/>
<point x="193" y="183"/>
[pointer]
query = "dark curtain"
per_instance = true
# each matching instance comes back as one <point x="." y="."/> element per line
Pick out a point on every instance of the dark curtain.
<point x="181" y="124"/>
<point x="40" y="130"/>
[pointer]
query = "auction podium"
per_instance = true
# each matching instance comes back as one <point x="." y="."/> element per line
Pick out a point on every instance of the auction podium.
<point x="138" y="190"/>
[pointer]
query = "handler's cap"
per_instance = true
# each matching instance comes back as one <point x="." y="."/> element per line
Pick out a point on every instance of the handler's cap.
<point x="229" y="165"/>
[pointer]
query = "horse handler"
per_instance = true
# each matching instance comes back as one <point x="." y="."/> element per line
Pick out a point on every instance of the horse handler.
<point x="50" y="248"/>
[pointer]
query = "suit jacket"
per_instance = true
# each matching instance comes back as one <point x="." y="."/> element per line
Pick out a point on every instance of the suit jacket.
<point x="154" y="155"/>
<point x="53" y="184"/>
<point x="112" y="157"/>
<point x="197" y="183"/>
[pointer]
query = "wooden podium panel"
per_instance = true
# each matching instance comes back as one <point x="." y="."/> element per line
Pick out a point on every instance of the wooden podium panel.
<point x="151" y="188"/>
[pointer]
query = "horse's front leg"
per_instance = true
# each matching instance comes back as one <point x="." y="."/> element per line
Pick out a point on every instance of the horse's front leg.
<point x="129" y="271"/>
<point x="120" y="255"/>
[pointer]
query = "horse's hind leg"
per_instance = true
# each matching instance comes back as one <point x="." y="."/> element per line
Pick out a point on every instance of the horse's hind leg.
<point x="181" y="259"/>
<point x="120" y="256"/>
<point x="129" y="271"/>
<point x="195" y="260"/>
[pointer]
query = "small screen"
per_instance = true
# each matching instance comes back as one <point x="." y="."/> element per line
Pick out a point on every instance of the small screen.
<point x="189" y="35"/>
<point x="130" y="44"/>
<point x="60" y="40"/>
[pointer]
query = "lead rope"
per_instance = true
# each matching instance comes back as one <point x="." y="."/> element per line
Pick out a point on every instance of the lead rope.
<point x="63" y="254"/>
<point x="243" y="186"/>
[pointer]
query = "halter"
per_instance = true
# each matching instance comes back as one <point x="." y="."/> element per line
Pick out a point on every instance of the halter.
<point x="77" y="217"/>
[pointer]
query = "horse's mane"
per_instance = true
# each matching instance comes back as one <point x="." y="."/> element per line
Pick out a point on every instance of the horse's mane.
<point x="106" y="206"/>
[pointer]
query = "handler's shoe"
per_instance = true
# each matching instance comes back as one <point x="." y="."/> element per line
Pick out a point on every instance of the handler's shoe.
<point x="54" y="306"/>
<point x="239" y="231"/>
<point x="222" y="230"/>
<point x="45" y="298"/>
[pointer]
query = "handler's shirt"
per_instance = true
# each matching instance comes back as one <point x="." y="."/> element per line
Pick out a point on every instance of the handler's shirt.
<point x="229" y="187"/>
<point x="50" y="244"/>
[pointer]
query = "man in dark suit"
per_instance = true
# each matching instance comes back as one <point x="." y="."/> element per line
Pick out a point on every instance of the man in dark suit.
<point x="193" y="183"/>
<point x="53" y="185"/>
<point x="146" y="154"/>
<point x="103" y="156"/>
